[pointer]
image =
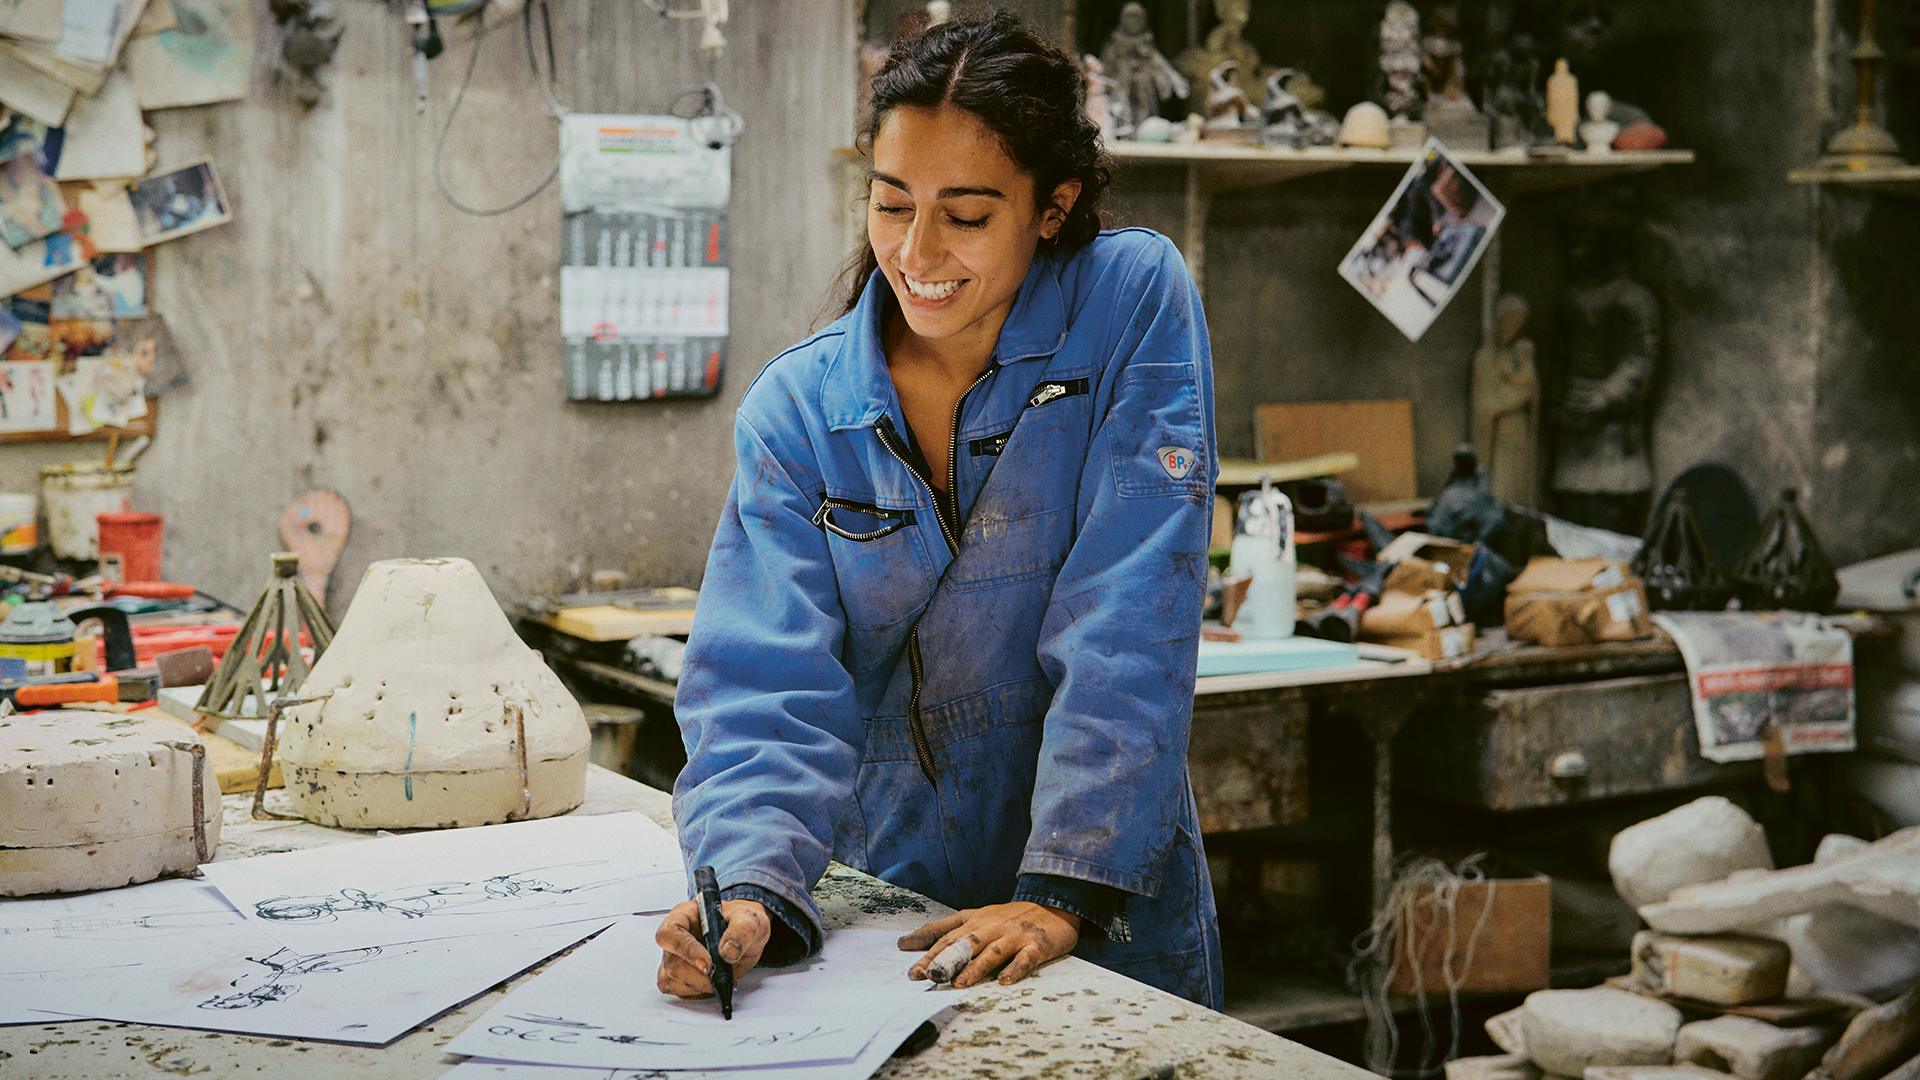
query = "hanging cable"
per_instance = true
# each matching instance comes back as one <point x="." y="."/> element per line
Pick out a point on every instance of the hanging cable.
<point x="544" y="82"/>
<point x="711" y="121"/>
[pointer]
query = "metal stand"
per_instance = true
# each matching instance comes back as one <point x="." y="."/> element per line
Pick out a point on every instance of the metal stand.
<point x="268" y="645"/>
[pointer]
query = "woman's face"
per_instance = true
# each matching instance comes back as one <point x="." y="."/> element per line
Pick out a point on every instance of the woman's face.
<point x="953" y="223"/>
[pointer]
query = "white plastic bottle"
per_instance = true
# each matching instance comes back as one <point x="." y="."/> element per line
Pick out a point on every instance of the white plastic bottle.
<point x="1263" y="548"/>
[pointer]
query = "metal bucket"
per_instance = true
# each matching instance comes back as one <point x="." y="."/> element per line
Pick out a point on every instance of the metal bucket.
<point x="75" y="493"/>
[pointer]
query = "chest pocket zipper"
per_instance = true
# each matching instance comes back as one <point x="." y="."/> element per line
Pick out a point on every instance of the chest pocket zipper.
<point x="890" y="521"/>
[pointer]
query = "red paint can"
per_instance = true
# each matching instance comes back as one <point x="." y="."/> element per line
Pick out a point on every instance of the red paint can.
<point x="136" y="539"/>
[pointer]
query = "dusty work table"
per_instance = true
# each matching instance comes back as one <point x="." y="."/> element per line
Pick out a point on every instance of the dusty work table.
<point x="1072" y="1019"/>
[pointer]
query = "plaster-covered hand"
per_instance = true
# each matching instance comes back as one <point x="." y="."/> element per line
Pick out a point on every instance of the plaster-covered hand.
<point x="1017" y="937"/>
<point x="685" y="965"/>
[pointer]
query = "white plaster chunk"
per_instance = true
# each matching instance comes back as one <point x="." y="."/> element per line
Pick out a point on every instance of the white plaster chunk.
<point x="1874" y="1042"/>
<point x="1506" y="1032"/>
<point x="1493" y="1067"/>
<point x="97" y="800"/>
<point x="1883" y="877"/>
<point x="1567" y="1031"/>
<point x="1655" y="1072"/>
<point x="416" y="729"/>
<point x="1844" y="950"/>
<point x="1724" y="969"/>
<point x="1752" y="1049"/>
<point x="1706" y="840"/>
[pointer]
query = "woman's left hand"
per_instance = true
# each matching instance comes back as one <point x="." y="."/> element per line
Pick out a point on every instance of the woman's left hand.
<point x="1016" y="937"/>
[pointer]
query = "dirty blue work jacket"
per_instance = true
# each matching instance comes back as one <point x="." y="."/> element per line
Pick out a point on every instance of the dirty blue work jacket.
<point x="949" y="705"/>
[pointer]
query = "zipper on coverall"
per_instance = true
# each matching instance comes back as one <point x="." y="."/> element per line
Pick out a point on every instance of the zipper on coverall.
<point x="950" y="532"/>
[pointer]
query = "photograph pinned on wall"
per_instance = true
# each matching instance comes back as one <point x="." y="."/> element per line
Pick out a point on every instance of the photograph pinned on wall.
<point x="26" y="396"/>
<point x="38" y="262"/>
<point x="111" y="287"/>
<point x="1423" y="245"/>
<point x="30" y="204"/>
<point x="178" y="203"/>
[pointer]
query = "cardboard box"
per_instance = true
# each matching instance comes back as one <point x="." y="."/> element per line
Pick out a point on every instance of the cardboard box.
<point x="1443" y="643"/>
<point x="1399" y="614"/>
<point x="1510" y="953"/>
<point x="1577" y="602"/>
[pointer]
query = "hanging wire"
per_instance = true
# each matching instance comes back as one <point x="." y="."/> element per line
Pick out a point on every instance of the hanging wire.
<point x="712" y="122"/>
<point x="545" y="83"/>
<point x="1425" y="892"/>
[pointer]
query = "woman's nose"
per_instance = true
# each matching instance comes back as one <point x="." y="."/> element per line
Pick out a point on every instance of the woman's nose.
<point x="921" y="248"/>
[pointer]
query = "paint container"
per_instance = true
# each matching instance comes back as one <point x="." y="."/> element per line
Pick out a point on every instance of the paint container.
<point x="135" y="537"/>
<point x="19" y="523"/>
<point x="75" y="494"/>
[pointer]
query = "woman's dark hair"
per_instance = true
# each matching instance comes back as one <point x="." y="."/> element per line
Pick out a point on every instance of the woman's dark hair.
<point x="1028" y="93"/>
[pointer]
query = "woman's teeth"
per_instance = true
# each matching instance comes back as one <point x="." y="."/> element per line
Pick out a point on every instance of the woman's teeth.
<point x="931" y="290"/>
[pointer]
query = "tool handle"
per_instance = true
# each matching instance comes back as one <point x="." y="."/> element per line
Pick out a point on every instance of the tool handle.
<point x="713" y="926"/>
<point x="106" y="688"/>
<point x="150" y="590"/>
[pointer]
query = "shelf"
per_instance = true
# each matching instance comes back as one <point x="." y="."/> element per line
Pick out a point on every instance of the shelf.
<point x="1898" y="180"/>
<point x="1220" y="168"/>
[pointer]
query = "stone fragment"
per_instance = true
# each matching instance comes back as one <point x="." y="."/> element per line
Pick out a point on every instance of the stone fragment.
<point x="1493" y="1067"/>
<point x="1566" y="1031"/>
<point x="1505" y="1031"/>
<point x="1724" y="969"/>
<point x="1845" y="950"/>
<point x="1751" y="1049"/>
<point x="1654" y="1072"/>
<point x="1705" y="840"/>
<point x="1883" y="877"/>
<point x="1875" y="1041"/>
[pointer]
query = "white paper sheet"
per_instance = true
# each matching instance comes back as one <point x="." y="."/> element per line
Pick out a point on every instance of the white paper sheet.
<point x="601" y="1008"/>
<point x="105" y="138"/>
<point x="875" y="1055"/>
<point x="457" y="882"/>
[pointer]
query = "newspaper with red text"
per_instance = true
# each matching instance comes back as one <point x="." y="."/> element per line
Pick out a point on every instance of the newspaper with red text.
<point x="1749" y="669"/>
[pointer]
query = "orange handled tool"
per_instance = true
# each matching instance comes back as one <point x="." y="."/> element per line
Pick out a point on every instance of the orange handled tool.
<point x="150" y="590"/>
<point x="31" y="696"/>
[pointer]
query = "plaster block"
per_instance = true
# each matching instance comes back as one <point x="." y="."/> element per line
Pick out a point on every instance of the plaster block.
<point x="1845" y="950"/>
<point x="1875" y="1041"/>
<point x="1654" y="1072"/>
<point x="1752" y="1049"/>
<point x="1567" y="1031"/>
<point x="1705" y="840"/>
<point x="1724" y="969"/>
<point x="1507" y="1033"/>
<point x="1494" y="1067"/>
<point x="1883" y="877"/>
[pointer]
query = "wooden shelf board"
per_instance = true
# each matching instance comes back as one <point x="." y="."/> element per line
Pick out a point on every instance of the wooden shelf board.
<point x="1229" y="167"/>
<point x="1901" y="180"/>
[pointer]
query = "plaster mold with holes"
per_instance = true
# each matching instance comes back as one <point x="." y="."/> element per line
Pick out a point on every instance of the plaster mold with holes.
<point x="97" y="800"/>
<point x="425" y="688"/>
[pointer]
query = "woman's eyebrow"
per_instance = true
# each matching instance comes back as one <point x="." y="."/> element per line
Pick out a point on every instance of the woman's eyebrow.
<point x="945" y="193"/>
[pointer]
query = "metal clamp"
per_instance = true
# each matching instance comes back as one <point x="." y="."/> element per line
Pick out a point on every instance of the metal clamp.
<point x="260" y="811"/>
<point x="520" y="737"/>
<point x="199" y="752"/>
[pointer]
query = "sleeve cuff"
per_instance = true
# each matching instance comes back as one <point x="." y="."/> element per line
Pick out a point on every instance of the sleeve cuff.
<point x="793" y="937"/>
<point x="1101" y="908"/>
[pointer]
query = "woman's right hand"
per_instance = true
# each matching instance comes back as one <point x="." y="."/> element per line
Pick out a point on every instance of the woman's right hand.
<point x="686" y="964"/>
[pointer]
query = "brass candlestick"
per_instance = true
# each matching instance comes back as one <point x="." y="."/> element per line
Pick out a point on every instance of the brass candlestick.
<point x="1866" y="145"/>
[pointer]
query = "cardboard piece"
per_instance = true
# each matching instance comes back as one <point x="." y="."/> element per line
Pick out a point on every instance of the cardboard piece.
<point x="1510" y="953"/>
<point x="1445" y="643"/>
<point x="1380" y="433"/>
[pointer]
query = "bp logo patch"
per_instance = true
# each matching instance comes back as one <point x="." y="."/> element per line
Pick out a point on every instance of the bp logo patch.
<point x="1177" y="460"/>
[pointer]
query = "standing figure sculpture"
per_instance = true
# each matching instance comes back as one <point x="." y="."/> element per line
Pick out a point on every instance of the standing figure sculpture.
<point x="1144" y="77"/>
<point x="1603" y="476"/>
<point x="1400" y="59"/>
<point x="1227" y="42"/>
<point x="1506" y="404"/>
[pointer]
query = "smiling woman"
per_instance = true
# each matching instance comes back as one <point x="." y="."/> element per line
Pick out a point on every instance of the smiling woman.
<point x="949" y="625"/>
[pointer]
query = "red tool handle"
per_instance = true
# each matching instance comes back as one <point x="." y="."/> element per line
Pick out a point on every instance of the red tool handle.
<point x="151" y="590"/>
<point x="33" y="697"/>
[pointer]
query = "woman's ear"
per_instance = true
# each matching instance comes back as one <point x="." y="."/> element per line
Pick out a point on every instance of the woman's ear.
<point x="1055" y="218"/>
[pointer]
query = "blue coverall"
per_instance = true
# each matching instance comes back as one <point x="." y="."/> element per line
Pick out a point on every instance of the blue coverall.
<point x="971" y="709"/>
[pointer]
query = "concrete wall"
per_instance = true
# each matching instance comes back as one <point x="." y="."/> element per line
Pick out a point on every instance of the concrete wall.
<point x="351" y="330"/>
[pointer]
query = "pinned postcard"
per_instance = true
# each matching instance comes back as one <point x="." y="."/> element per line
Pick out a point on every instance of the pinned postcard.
<point x="104" y="136"/>
<point x="111" y="224"/>
<point x="26" y="396"/>
<point x="1423" y="245"/>
<point x="30" y="203"/>
<point x="111" y="287"/>
<point x="173" y="204"/>
<point x="38" y="262"/>
<point x="206" y="56"/>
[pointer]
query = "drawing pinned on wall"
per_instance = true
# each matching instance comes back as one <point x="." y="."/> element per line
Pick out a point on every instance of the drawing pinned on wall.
<point x="111" y="287"/>
<point x="178" y="203"/>
<point x="490" y="879"/>
<point x="599" y="1007"/>
<point x="206" y="56"/>
<point x="30" y="203"/>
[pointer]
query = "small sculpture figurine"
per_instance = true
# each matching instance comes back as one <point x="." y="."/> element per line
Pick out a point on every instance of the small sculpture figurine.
<point x="1563" y="102"/>
<point x="1290" y="118"/>
<point x="1400" y="59"/>
<point x="1506" y="402"/>
<point x="1512" y="83"/>
<point x="1603" y="476"/>
<point x="1225" y="42"/>
<point x="1106" y="108"/>
<point x="1449" y="113"/>
<point x="1365" y="125"/>
<point x="1144" y="76"/>
<point x="1228" y="109"/>
<point x="1597" y="131"/>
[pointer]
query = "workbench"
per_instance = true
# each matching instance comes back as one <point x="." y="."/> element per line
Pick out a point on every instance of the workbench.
<point x="1071" y="1019"/>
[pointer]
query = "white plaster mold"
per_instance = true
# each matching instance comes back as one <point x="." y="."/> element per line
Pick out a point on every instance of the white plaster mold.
<point x="1882" y="877"/>
<point x="1752" y="1049"/>
<point x="424" y="688"/>
<point x="1567" y="1031"/>
<point x="98" y="800"/>
<point x="1708" y="839"/>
